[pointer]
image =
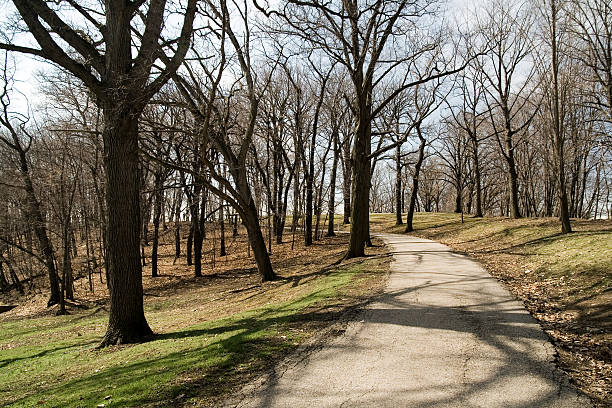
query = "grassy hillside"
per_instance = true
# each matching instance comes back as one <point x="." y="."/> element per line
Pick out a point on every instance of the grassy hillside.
<point x="213" y="334"/>
<point x="564" y="280"/>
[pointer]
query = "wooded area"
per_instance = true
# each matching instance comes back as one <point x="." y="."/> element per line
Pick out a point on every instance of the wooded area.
<point x="287" y="120"/>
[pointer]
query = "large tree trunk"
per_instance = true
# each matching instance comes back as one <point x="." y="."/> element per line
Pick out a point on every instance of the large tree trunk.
<point x="360" y="209"/>
<point x="251" y="220"/>
<point x="258" y="244"/>
<point x="127" y="322"/>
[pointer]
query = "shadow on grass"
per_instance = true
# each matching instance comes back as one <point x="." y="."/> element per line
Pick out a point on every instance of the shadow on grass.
<point x="202" y="360"/>
<point x="6" y="362"/>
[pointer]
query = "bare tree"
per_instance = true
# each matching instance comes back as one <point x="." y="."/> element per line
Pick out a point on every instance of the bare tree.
<point x="210" y="107"/>
<point x="99" y="51"/>
<point x="356" y="36"/>
<point x="507" y="32"/>
<point x="551" y="11"/>
<point x="469" y="115"/>
<point x="20" y="141"/>
<point x="593" y="27"/>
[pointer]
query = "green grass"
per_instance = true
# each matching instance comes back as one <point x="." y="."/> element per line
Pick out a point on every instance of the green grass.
<point x="52" y="362"/>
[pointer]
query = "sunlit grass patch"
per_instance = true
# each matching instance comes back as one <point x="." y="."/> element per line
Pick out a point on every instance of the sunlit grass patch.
<point x="208" y="341"/>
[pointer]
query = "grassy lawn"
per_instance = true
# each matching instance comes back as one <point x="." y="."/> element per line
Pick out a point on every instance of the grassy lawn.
<point x="564" y="280"/>
<point x="212" y="336"/>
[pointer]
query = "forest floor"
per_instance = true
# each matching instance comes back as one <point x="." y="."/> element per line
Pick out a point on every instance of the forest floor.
<point x="213" y="334"/>
<point x="565" y="281"/>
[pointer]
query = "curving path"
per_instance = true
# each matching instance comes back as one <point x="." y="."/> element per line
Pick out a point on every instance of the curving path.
<point x="444" y="334"/>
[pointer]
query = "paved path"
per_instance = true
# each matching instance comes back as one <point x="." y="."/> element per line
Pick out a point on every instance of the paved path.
<point x="445" y="334"/>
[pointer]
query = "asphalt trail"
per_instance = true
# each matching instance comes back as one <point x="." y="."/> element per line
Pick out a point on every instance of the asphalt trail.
<point x="444" y="334"/>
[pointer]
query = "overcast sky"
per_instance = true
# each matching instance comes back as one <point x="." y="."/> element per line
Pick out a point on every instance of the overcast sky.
<point x="27" y="67"/>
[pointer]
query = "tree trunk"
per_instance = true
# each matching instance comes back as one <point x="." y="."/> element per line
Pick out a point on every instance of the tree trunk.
<point x="477" y="176"/>
<point x="67" y="262"/>
<point x="558" y="136"/>
<point x="127" y="322"/>
<point x="197" y="234"/>
<point x="73" y="244"/>
<point x="515" y="211"/>
<point x="190" y="245"/>
<point x="177" y="239"/>
<point x="198" y="240"/>
<point x="251" y="219"/>
<point x="4" y="285"/>
<point x="66" y="268"/>
<point x="319" y="199"/>
<point x="40" y="230"/>
<point x="146" y="215"/>
<point x="258" y="244"/>
<point x="415" y="183"/>
<point x="89" y="248"/>
<point x="360" y="209"/>
<point x="158" y="192"/>
<point x="296" y="199"/>
<point x="347" y="174"/>
<point x="14" y="278"/>
<point x="222" y="251"/>
<point x="398" y="185"/>
<point x="458" y="196"/>
<point x="309" y="206"/>
<point x="332" y="188"/>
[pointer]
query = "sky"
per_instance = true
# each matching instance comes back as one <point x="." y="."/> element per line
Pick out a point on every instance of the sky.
<point x="27" y="68"/>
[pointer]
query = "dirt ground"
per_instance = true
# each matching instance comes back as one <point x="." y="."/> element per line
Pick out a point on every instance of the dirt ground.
<point x="233" y="275"/>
